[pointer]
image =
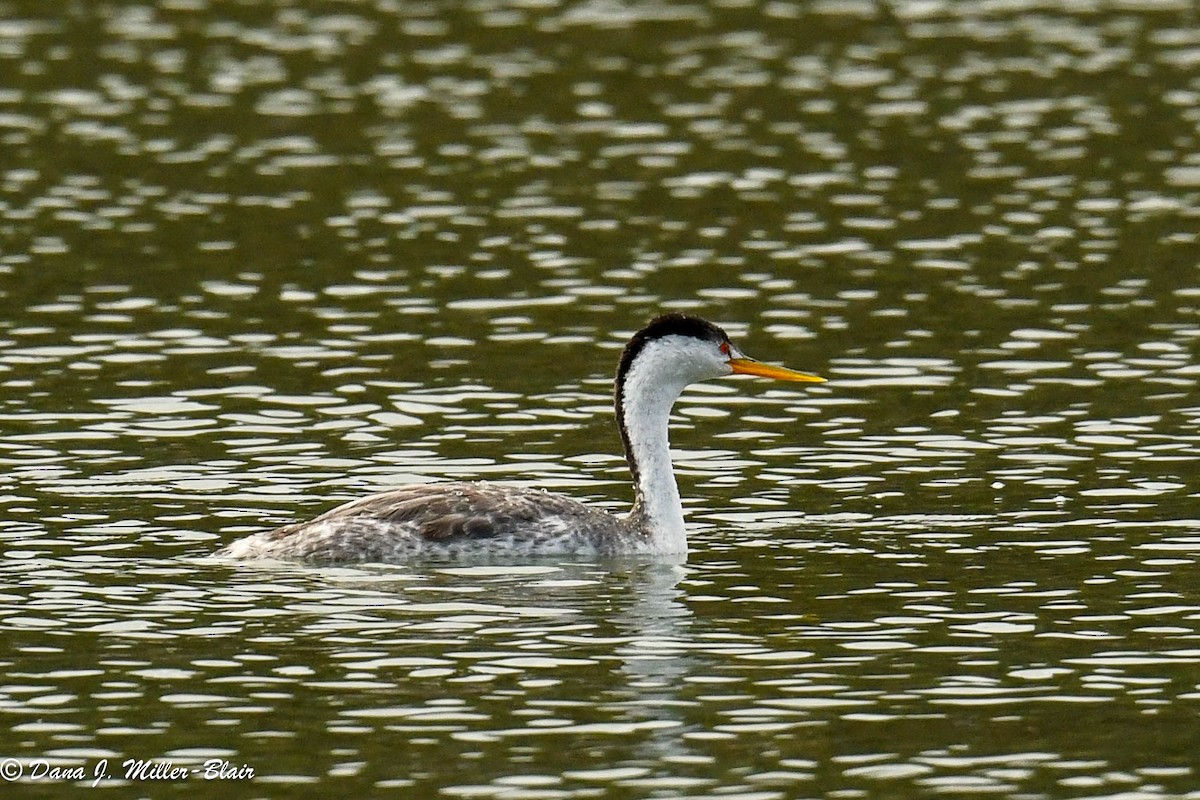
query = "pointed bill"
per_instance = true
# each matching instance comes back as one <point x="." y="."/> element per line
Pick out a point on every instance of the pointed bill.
<point x="748" y="366"/>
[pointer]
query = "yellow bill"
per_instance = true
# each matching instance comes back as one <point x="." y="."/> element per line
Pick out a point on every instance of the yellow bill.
<point x="748" y="366"/>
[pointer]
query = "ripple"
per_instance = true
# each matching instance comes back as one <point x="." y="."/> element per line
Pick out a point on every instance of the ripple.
<point x="324" y="253"/>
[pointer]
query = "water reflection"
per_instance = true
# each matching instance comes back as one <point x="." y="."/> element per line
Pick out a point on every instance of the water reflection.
<point x="863" y="625"/>
<point x="259" y="260"/>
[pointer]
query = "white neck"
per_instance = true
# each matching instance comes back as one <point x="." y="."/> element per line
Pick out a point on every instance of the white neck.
<point x="648" y="397"/>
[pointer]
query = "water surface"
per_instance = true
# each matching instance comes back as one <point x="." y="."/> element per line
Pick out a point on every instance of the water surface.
<point x="259" y="259"/>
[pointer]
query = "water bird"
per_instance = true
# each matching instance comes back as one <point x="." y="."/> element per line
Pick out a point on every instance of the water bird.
<point x="462" y="518"/>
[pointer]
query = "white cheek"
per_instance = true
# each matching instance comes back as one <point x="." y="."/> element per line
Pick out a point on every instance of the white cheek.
<point x="707" y="363"/>
<point x="673" y="362"/>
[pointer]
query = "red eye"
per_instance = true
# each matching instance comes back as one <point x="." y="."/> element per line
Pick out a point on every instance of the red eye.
<point x="725" y="348"/>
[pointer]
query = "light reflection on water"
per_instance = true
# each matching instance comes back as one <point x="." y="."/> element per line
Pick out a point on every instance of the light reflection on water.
<point x="258" y="260"/>
<point x="665" y="671"/>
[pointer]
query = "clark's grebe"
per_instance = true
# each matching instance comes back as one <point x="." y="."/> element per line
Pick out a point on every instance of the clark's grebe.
<point x="460" y="519"/>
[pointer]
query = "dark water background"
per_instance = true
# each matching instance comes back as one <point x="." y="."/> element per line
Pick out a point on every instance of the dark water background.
<point x="258" y="258"/>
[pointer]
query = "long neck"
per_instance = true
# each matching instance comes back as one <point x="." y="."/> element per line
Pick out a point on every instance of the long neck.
<point x="644" y="405"/>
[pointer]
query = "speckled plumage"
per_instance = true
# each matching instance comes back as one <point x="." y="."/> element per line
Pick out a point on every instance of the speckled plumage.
<point x="448" y="519"/>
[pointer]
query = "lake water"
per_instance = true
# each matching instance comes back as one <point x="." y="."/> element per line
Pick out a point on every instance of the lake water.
<point x="260" y="258"/>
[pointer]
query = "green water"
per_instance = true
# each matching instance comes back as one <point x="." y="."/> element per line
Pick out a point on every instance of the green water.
<point x="260" y="258"/>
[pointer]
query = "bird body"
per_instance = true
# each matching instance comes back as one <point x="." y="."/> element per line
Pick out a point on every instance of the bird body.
<point x="448" y="519"/>
<point x="463" y="519"/>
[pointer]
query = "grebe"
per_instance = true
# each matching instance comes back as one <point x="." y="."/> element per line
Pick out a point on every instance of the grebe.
<point x="460" y="519"/>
